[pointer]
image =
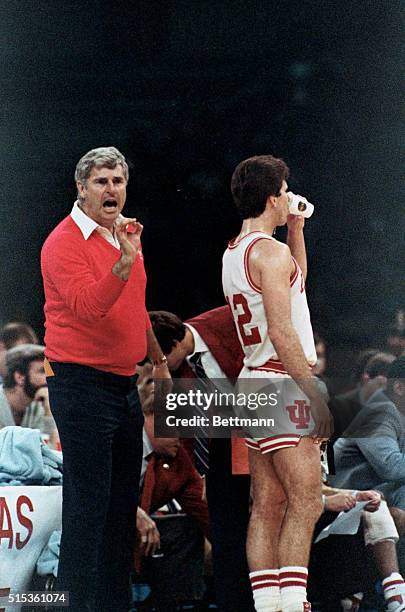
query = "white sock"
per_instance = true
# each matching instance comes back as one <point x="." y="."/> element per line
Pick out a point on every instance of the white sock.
<point x="266" y="590"/>
<point x="293" y="588"/>
<point x="394" y="591"/>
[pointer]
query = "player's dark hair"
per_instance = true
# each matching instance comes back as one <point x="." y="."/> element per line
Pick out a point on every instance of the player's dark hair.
<point x="254" y="180"/>
<point x="167" y="328"/>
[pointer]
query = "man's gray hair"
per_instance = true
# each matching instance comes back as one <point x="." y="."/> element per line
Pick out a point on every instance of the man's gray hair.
<point x="108" y="157"/>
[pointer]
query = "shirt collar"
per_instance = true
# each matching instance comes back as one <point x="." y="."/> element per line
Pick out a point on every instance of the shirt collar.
<point x="84" y="222"/>
<point x="199" y="344"/>
<point x="147" y="446"/>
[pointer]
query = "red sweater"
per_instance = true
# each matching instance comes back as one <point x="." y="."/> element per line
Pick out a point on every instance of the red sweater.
<point x="92" y="317"/>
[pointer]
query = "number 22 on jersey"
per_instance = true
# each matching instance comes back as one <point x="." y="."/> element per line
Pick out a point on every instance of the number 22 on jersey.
<point x="249" y="336"/>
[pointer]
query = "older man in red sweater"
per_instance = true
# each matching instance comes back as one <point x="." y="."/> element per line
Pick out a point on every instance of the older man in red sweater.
<point x="97" y="329"/>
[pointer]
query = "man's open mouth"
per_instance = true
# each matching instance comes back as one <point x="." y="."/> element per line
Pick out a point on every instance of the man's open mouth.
<point x="110" y="205"/>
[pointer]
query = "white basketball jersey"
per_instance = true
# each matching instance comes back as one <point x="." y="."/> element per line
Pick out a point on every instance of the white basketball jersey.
<point x="245" y="300"/>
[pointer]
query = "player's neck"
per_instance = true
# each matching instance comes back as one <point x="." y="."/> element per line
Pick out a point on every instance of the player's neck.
<point x="259" y="224"/>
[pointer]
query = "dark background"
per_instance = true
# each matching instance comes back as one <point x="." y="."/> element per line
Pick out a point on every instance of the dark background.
<point x="186" y="89"/>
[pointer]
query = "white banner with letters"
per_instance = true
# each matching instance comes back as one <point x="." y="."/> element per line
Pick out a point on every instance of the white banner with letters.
<point x="28" y="516"/>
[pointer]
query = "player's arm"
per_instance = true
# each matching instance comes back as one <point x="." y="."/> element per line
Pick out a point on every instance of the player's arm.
<point x="296" y="241"/>
<point x="271" y="263"/>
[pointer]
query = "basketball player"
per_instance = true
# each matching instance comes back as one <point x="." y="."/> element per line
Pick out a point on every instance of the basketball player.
<point x="264" y="283"/>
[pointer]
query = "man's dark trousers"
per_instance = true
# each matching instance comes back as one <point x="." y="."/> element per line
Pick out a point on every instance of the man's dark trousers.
<point x="100" y="421"/>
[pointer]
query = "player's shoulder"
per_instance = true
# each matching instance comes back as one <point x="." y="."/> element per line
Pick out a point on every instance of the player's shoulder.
<point x="270" y="247"/>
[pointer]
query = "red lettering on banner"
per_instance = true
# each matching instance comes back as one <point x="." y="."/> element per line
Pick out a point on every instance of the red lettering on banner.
<point x="6" y="523"/>
<point x="5" y="516"/>
<point x="299" y="414"/>
<point x="24" y="521"/>
<point x="4" y="592"/>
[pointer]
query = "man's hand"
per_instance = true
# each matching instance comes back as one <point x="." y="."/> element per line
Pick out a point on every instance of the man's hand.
<point x="42" y="396"/>
<point x="373" y="497"/>
<point x="128" y="233"/>
<point x="163" y="385"/>
<point x="323" y="419"/>
<point x="295" y="223"/>
<point x="340" y="502"/>
<point x="149" y="534"/>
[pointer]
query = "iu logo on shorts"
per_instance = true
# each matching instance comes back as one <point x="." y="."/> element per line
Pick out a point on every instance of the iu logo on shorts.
<point x="299" y="414"/>
<point x="307" y="606"/>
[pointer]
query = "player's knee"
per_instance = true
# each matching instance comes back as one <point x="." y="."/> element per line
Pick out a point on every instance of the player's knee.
<point x="265" y="504"/>
<point x="308" y="503"/>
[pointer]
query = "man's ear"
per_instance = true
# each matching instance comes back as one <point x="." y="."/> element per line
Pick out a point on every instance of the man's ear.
<point x="81" y="189"/>
<point x="19" y="379"/>
<point x="271" y="201"/>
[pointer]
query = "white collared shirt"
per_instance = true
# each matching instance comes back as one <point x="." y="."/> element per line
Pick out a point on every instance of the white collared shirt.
<point x="87" y="226"/>
<point x="208" y="361"/>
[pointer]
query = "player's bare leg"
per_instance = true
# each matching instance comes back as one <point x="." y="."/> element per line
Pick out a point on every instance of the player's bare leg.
<point x="299" y="472"/>
<point x="268" y="509"/>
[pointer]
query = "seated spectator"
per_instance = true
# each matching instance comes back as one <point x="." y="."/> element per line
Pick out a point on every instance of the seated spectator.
<point x="346" y="406"/>
<point x="11" y="335"/>
<point x="372" y="453"/>
<point x="24" y="395"/>
<point x="168" y="477"/>
<point x="167" y="471"/>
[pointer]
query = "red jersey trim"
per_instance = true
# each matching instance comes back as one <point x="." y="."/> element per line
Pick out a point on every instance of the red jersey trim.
<point x="268" y="445"/>
<point x="294" y="275"/>
<point x="272" y="365"/>
<point x="246" y="263"/>
<point x="249" y="279"/>
<point x="232" y="244"/>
